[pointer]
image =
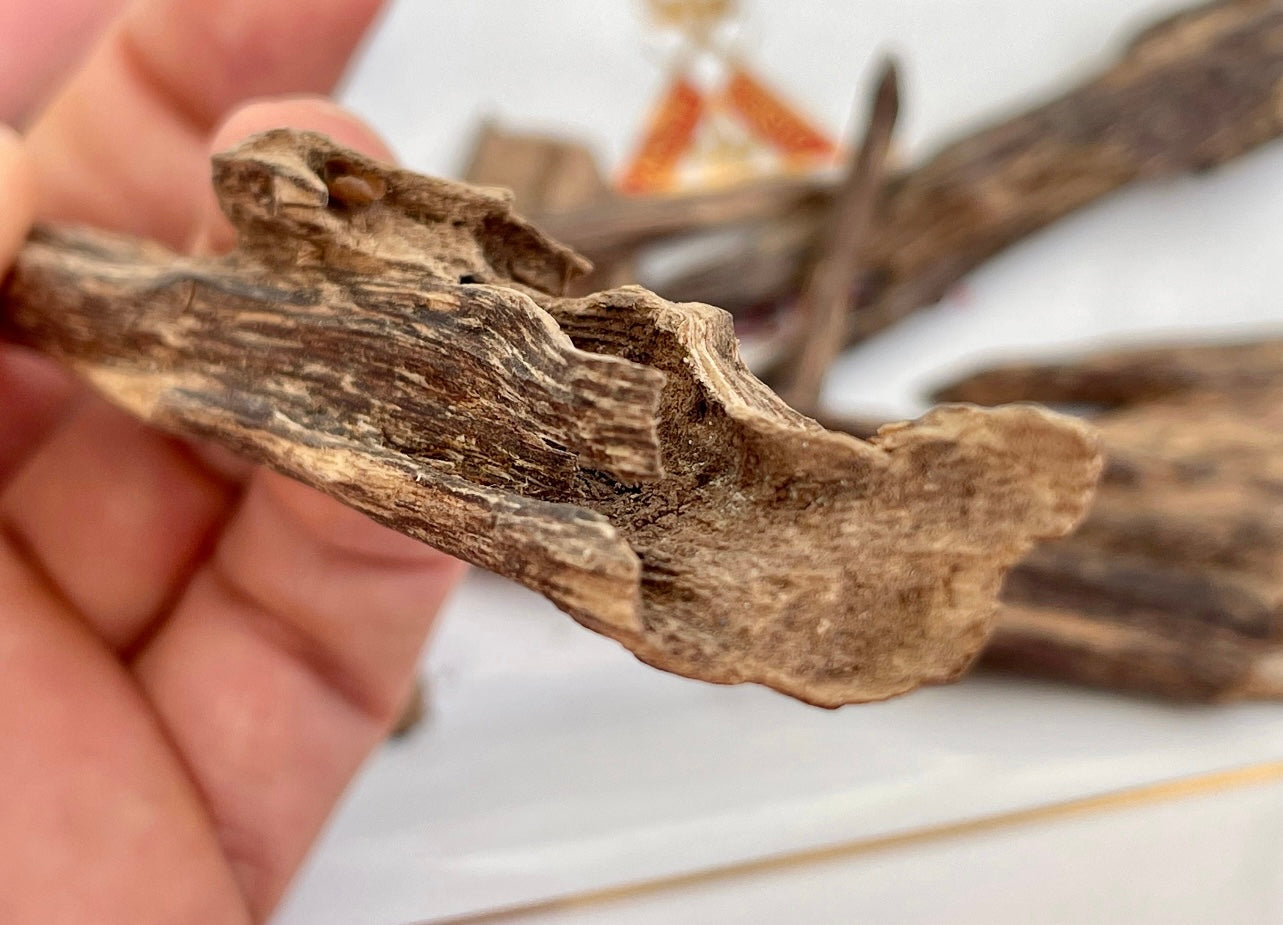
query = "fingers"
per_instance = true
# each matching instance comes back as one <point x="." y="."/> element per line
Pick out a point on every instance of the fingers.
<point x="17" y="195"/>
<point x="34" y="394"/>
<point x="118" y="515"/>
<point x="40" y="44"/>
<point x="124" y="144"/>
<point x="100" y="822"/>
<point x="293" y="649"/>
<point x="286" y="663"/>
<point x="32" y="390"/>
<point x="115" y="515"/>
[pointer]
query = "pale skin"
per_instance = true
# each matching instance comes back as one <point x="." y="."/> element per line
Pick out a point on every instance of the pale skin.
<point x="195" y="655"/>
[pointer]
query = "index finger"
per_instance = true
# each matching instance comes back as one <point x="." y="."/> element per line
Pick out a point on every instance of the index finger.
<point x="124" y="145"/>
<point x="40" y="45"/>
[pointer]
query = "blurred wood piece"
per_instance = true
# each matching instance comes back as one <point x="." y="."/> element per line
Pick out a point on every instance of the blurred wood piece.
<point x="547" y="175"/>
<point x="1174" y="583"/>
<point x="1189" y="93"/>
<point x="399" y="343"/>
<point x="1150" y="656"/>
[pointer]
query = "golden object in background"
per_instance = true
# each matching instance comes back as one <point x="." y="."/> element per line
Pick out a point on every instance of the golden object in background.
<point x="694" y="17"/>
<point x="700" y="138"/>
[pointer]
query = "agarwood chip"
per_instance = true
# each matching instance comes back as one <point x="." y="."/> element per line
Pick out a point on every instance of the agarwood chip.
<point x="398" y="342"/>
<point x="1173" y="584"/>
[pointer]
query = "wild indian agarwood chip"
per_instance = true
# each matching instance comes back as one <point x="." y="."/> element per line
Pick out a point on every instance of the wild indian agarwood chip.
<point x="398" y="342"/>
<point x="1173" y="585"/>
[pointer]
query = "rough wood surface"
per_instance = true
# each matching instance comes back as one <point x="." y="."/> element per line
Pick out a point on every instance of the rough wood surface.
<point x="398" y="342"/>
<point x="1174" y="582"/>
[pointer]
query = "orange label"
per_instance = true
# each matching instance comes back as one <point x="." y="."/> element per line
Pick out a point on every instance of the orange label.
<point x="668" y="137"/>
<point x="773" y="120"/>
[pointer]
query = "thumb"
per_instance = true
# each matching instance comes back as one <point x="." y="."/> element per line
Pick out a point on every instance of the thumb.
<point x="17" y="195"/>
<point x="213" y="232"/>
<point x="33" y="391"/>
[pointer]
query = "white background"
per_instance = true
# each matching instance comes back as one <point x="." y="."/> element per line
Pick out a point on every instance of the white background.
<point x="553" y="763"/>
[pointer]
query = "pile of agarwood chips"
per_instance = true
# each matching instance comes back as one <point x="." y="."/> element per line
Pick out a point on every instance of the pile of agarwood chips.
<point x="1173" y="586"/>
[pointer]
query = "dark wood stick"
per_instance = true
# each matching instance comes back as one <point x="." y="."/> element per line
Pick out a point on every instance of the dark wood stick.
<point x="399" y="343"/>
<point x="823" y="306"/>
<point x="413" y="712"/>
<point x="1091" y="577"/>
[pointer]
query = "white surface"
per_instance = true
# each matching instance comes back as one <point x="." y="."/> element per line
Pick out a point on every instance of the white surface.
<point x="553" y="762"/>
<point x="1197" y="862"/>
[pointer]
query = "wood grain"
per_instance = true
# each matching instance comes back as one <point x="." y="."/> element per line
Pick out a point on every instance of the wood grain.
<point x="1173" y="584"/>
<point x="399" y="342"/>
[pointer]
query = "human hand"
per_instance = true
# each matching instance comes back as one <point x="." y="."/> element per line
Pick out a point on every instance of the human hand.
<point x="195" y="656"/>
